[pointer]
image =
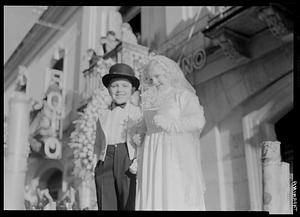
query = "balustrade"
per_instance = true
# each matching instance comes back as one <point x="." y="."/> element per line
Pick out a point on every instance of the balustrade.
<point x="134" y="55"/>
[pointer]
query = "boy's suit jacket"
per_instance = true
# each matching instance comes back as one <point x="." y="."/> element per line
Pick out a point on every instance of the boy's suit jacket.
<point x="102" y="126"/>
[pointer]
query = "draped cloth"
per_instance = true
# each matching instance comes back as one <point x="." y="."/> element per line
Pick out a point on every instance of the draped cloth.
<point x="169" y="173"/>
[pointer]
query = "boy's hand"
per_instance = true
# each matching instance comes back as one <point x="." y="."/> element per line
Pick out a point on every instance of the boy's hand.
<point x="133" y="167"/>
<point x="94" y="163"/>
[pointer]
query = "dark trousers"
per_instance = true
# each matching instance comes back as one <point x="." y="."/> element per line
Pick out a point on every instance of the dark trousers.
<point x="115" y="185"/>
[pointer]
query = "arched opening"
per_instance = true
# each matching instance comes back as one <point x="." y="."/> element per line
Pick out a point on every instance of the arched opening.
<point x="52" y="179"/>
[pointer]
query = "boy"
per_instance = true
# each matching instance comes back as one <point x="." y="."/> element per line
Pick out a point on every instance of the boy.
<point x="115" y="181"/>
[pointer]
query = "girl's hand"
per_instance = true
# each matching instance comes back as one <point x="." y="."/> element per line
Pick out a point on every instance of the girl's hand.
<point x="137" y="139"/>
<point x="161" y="121"/>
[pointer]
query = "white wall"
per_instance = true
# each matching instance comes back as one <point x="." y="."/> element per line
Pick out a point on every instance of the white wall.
<point x="38" y="66"/>
<point x="236" y="192"/>
<point x="153" y="26"/>
<point x="7" y="94"/>
<point x="174" y="15"/>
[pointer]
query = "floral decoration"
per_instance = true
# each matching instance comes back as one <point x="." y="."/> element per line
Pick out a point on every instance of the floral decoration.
<point x="83" y="137"/>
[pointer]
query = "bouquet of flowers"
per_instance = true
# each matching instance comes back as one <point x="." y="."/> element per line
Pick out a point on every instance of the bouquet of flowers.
<point x="82" y="139"/>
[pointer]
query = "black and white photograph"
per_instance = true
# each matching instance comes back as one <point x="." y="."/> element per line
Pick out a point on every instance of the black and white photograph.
<point x="149" y="108"/>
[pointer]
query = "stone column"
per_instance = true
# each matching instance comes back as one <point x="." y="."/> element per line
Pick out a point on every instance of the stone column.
<point x="17" y="152"/>
<point x="276" y="180"/>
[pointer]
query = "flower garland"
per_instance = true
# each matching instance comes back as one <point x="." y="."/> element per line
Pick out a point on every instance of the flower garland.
<point x="82" y="139"/>
<point x="84" y="135"/>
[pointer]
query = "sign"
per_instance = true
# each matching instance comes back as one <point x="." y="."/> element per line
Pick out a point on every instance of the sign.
<point x="55" y="101"/>
<point x="52" y="148"/>
<point x="193" y="61"/>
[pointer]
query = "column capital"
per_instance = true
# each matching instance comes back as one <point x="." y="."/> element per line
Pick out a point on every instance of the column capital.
<point x="233" y="44"/>
<point x="271" y="152"/>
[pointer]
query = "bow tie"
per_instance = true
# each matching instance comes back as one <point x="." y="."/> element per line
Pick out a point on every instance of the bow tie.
<point x="114" y="105"/>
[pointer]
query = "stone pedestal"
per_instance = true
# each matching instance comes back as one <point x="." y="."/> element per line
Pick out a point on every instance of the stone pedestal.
<point x="276" y="180"/>
<point x="17" y="153"/>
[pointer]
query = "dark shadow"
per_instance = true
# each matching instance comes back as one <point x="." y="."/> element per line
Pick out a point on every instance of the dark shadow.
<point x="286" y="135"/>
<point x="52" y="179"/>
<point x="132" y="191"/>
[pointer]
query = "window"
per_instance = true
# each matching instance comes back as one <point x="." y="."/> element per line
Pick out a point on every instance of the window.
<point x="57" y="62"/>
<point x="132" y="15"/>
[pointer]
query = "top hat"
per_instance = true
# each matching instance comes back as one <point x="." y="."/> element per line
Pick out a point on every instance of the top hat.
<point x="121" y="70"/>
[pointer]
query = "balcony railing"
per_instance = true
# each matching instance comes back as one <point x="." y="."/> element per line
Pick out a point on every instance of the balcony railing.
<point x="134" y="55"/>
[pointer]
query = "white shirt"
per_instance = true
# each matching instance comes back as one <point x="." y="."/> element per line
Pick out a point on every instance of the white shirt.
<point x="118" y="125"/>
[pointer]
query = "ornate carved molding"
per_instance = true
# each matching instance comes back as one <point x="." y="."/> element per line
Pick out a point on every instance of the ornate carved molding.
<point x="278" y="22"/>
<point x="234" y="45"/>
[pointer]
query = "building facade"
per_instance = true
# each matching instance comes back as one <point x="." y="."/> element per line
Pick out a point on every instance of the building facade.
<point x="238" y="58"/>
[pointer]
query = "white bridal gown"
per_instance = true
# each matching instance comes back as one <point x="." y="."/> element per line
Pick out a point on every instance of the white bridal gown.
<point x="169" y="173"/>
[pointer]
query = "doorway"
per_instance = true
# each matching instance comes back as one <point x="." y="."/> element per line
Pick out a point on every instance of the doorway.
<point x="284" y="130"/>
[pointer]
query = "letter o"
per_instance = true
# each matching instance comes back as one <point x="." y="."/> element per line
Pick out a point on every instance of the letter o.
<point x="50" y="98"/>
<point x="199" y="59"/>
<point x="187" y="65"/>
<point x="52" y="143"/>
